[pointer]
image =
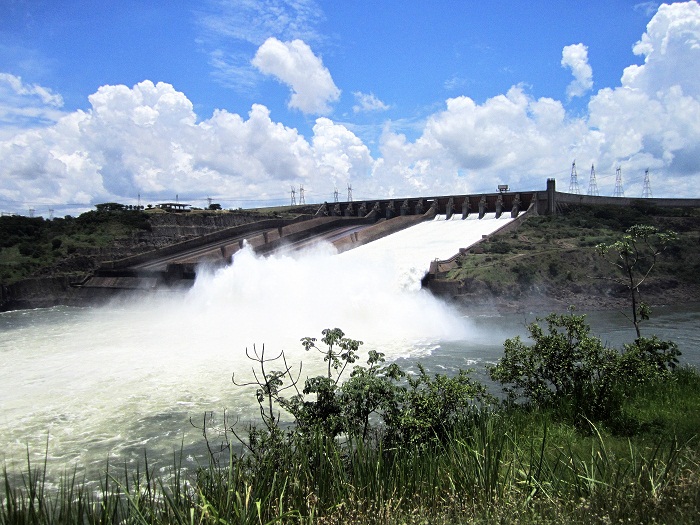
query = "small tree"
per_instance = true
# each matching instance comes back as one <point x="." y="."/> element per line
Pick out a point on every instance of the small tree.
<point x="634" y="256"/>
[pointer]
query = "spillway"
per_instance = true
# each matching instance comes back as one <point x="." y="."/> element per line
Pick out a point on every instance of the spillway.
<point x="410" y="251"/>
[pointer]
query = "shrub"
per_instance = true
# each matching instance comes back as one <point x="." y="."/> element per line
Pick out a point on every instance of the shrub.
<point x="571" y="370"/>
<point x="377" y="399"/>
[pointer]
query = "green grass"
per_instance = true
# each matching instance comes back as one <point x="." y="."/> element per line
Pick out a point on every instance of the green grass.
<point x="499" y="466"/>
<point x="558" y="253"/>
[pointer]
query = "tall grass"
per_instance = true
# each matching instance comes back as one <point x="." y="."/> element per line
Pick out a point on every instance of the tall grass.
<point x="497" y="466"/>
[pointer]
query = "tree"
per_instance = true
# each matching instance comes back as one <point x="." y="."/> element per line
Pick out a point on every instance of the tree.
<point x="634" y="256"/>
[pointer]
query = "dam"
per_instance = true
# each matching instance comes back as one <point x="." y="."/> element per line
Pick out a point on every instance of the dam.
<point x="133" y="373"/>
<point x="346" y="225"/>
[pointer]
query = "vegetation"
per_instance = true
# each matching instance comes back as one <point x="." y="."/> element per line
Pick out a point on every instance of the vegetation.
<point x="34" y="246"/>
<point x="378" y="448"/>
<point x="29" y="244"/>
<point x="634" y="256"/>
<point x="554" y="256"/>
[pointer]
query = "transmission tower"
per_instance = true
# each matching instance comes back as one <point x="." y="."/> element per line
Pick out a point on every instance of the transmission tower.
<point x="50" y="214"/>
<point x="301" y="195"/>
<point x="646" y="192"/>
<point x="294" y="196"/>
<point x="573" y="185"/>
<point x="619" y="191"/>
<point x="31" y="212"/>
<point x="592" y="184"/>
<point x="349" y="193"/>
<point x="335" y="195"/>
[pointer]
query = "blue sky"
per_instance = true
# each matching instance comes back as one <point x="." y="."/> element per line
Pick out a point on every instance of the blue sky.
<point x="242" y="100"/>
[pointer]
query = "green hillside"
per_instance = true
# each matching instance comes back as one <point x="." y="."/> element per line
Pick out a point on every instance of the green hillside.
<point x="554" y="257"/>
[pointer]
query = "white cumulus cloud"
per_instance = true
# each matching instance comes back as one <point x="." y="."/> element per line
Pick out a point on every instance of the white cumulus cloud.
<point x="575" y="57"/>
<point x="147" y="138"/>
<point x="294" y="64"/>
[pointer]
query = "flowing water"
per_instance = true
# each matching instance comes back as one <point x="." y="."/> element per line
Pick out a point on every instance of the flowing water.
<point x="83" y="386"/>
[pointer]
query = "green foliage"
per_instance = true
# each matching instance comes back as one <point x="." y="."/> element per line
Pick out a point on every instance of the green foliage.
<point x="376" y="400"/>
<point x="28" y="244"/>
<point x="568" y="368"/>
<point x="429" y="408"/>
<point x="490" y="465"/>
<point x="634" y="256"/>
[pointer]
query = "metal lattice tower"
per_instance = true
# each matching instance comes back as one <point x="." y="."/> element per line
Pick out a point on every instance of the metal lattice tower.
<point x="646" y="192"/>
<point x="619" y="191"/>
<point x="31" y="212"/>
<point x="50" y="214"/>
<point x="301" y="195"/>
<point x="573" y="185"/>
<point x="335" y="195"/>
<point x="349" y="193"/>
<point x="592" y="184"/>
<point x="294" y="197"/>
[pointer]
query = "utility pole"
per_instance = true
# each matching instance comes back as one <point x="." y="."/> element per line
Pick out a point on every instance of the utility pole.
<point x="573" y="184"/>
<point x="592" y="184"/>
<point x="646" y="192"/>
<point x="619" y="191"/>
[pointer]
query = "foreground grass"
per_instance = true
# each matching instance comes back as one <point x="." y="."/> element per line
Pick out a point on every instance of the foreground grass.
<point x="500" y="466"/>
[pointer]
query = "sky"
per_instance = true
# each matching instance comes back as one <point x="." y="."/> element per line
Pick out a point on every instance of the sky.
<point x="240" y="102"/>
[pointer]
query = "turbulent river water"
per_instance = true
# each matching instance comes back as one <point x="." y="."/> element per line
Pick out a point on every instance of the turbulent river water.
<point x="81" y="387"/>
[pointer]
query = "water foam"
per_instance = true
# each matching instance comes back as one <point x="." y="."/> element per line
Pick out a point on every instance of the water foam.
<point x="105" y="382"/>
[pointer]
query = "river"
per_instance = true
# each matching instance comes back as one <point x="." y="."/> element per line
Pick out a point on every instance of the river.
<point x="85" y="386"/>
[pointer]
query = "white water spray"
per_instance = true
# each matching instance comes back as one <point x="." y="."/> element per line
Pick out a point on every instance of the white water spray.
<point x="106" y="382"/>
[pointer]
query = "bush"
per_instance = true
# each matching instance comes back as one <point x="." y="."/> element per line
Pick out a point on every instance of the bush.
<point x="376" y="400"/>
<point x="569" y="369"/>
